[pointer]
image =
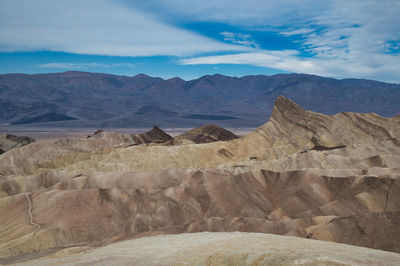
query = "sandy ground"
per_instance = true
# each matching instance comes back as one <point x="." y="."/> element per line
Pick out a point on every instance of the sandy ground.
<point x="46" y="134"/>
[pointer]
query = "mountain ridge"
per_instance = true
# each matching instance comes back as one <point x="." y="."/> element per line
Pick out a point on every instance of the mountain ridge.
<point x="106" y="100"/>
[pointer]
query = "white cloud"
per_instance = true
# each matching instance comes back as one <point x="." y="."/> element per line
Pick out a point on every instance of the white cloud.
<point x="102" y="27"/>
<point x="71" y="65"/>
<point x="356" y="38"/>
<point x="285" y="60"/>
<point x="290" y="61"/>
<point x="296" y="32"/>
<point x="249" y="13"/>
<point x="239" y="38"/>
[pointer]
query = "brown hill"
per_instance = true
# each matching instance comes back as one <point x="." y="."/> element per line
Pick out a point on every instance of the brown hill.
<point x="155" y="135"/>
<point x="332" y="178"/>
<point x="204" y="134"/>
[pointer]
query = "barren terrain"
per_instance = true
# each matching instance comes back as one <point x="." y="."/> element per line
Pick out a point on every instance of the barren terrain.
<point x="304" y="174"/>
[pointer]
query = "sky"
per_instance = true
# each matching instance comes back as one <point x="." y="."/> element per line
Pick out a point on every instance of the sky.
<point x="191" y="38"/>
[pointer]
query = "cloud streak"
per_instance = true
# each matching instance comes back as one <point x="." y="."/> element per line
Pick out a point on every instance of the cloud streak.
<point x="101" y="27"/>
<point x="285" y="60"/>
<point x="239" y="38"/>
<point x="344" y="39"/>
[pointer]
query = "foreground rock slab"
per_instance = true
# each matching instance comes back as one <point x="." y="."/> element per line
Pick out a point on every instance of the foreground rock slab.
<point x="222" y="249"/>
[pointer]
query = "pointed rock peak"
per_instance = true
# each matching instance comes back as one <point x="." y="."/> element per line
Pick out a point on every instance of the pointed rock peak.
<point x="157" y="129"/>
<point x="284" y="107"/>
<point x="155" y="135"/>
<point x="157" y="132"/>
<point x="205" y="134"/>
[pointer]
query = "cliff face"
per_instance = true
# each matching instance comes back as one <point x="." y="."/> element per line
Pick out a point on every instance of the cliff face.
<point x="332" y="178"/>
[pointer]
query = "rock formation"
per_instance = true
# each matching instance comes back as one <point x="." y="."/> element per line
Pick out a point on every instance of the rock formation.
<point x="204" y="134"/>
<point x="332" y="178"/>
<point x="9" y="141"/>
<point x="155" y="135"/>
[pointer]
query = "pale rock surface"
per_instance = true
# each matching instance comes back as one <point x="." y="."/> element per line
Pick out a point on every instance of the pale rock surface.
<point x="223" y="249"/>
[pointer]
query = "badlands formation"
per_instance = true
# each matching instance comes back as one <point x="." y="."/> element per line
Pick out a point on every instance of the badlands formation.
<point x="302" y="174"/>
<point x="9" y="142"/>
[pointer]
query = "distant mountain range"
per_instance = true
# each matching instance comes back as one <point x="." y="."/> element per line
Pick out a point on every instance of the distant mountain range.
<point x="80" y="99"/>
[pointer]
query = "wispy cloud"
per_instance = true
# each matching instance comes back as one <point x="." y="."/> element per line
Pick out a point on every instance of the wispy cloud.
<point x="285" y="60"/>
<point x="101" y="27"/>
<point x="247" y="13"/>
<point x="239" y="38"/>
<point x="343" y="39"/>
<point x="71" y="65"/>
<point x="296" y="32"/>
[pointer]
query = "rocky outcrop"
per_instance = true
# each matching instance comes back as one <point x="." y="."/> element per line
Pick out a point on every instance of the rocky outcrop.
<point x="332" y="178"/>
<point x="9" y="141"/>
<point x="204" y="134"/>
<point x="155" y="135"/>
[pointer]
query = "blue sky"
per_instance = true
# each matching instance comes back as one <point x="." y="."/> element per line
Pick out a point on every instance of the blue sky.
<point x="191" y="38"/>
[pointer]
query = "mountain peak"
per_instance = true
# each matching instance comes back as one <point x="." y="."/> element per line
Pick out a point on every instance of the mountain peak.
<point x="176" y="80"/>
<point x="286" y="108"/>
<point x="141" y="75"/>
